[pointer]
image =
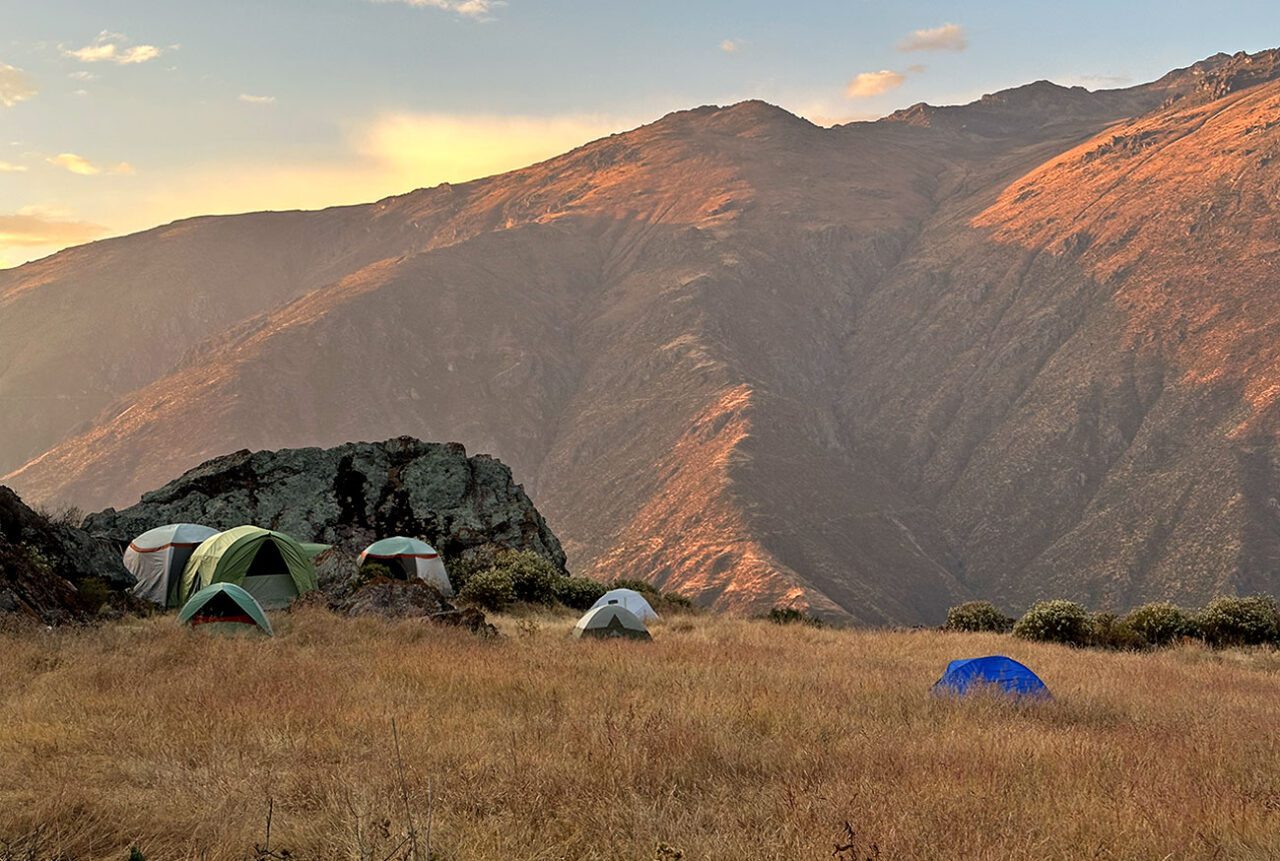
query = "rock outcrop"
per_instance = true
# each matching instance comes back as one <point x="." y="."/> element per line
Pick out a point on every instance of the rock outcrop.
<point x="350" y="496"/>
<point x="51" y="572"/>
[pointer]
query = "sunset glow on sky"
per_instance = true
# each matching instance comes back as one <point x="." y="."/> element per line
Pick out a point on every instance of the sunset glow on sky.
<point x="119" y="117"/>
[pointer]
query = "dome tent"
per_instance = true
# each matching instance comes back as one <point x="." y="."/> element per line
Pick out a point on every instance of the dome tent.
<point x="270" y="566"/>
<point x="410" y="558"/>
<point x="992" y="672"/>
<point x="630" y="599"/>
<point x="224" y="607"/>
<point x="611" y="620"/>
<point x="157" y="558"/>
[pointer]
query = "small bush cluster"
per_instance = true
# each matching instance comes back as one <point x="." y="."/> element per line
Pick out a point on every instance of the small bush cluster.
<point x="498" y="579"/>
<point x="492" y="590"/>
<point x="1161" y="623"/>
<point x="1252" y="621"/>
<point x="579" y="593"/>
<point x="1223" y="622"/>
<point x="1056" y="621"/>
<point x="976" y="616"/>
<point x="792" y="616"/>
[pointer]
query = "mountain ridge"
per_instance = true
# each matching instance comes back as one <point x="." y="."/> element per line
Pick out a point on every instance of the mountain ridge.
<point x="871" y="369"/>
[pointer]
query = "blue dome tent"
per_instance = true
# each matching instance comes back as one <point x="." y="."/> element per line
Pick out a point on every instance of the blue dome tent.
<point x="995" y="671"/>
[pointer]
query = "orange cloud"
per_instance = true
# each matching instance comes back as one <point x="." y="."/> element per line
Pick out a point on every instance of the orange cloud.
<point x="115" y="48"/>
<point x="948" y="37"/>
<point x="15" y="86"/>
<point x="870" y="84"/>
<point x="82" y="166"/>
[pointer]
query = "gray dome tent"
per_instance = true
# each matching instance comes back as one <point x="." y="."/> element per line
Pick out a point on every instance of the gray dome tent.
<point x="157" y="557"/>
<point x="410" y="558"/>
<point x="611" y="620"/>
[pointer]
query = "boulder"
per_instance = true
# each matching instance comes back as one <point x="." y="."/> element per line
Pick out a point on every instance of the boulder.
<point x="50" y="571"/>
<point x="350" y="496"/>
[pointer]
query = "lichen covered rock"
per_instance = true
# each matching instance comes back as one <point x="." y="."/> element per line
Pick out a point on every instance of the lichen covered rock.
<point x="350" y="496"/>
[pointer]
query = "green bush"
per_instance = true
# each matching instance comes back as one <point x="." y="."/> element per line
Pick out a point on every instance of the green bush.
<point x="533" y="578"/>
<point x="1250" y="621"/>
<point x="977" y="616"/>
<point x="578" y="593"/>
<point x="492" y="590"/>
<point x="1160" y="623"/>
<point x="373" y="571"/>
<point x="1109" y="631"/>
<point x="1055" y="621"/>
<point x="792" y="616"/>
<point x="646" y="589"/>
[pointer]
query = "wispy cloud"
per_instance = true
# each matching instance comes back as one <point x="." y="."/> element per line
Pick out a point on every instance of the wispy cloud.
<point x="82" y="166"/>
<point x="1097" y="81"/>
<point x="82" y="75"/>
<point x="481" y="10"/>
<point x="257" y="100"/>
<point x="870" y="84"/>
<point x="15" y="85"/>
<point x="10" y="167"/>
<point x="948" y="37"/>
<point x="110" y="47"/>
<point x="33" y="227"/>
<point x="731" y="46"/>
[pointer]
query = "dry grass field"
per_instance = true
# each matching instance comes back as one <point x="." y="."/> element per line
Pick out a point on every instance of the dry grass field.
<point x="722" y="739"/>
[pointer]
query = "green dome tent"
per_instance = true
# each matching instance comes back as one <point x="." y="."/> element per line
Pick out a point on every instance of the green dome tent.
<point x="270" y="566"/>
<point x="224" y="607"/>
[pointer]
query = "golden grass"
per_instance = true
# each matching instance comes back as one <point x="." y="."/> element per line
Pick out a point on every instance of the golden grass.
<point x="724" y="738"/>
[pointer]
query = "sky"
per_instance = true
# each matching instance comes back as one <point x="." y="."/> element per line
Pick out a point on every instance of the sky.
<point x="119" y="115"/>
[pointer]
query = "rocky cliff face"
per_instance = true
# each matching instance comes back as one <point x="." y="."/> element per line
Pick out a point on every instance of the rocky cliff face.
<point x="51" y="572"/>
<point x="350" y="496"/>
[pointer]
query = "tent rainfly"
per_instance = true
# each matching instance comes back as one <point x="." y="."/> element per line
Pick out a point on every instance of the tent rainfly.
<point x="224" y="607"/>
<point x="994" y="672"/>
<point x="409" y="558"/>
<point x="630" y="599"/>
<point x="270" y="566"/>
<point x="611" y="620"/>
<point x="157" y="558"/>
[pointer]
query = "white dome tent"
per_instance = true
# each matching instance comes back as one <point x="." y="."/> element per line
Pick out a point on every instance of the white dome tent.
<point x="409" y="557"/>
<point x="157" y="557"/>
<point x="629" y="599"/>
<point x="609" y="622"/>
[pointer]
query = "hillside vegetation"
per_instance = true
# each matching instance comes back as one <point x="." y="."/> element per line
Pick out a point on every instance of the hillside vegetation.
<point x="722" y="739"/>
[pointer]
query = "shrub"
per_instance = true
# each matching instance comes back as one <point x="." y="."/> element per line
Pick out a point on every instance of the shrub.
<point x="1109" y="631"/>
<point x="492" y="590"/>
<point x="644" y="588"/>
<point x="1160" y="623"/>
<point x="533" y="578"/>
<point x="792" y="616"/>
<point x="1250" y="621"/>
<point x="1055" y="621"/>
<point x="578" y="593"/>
<point x="373" y="571"/>
<point x="977" y="616"/>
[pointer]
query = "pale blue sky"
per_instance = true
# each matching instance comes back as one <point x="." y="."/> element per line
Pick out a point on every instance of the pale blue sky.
<point x="233" y="105"/>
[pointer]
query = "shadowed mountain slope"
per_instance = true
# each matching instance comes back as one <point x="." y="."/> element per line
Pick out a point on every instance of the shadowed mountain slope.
<point x="1012" y="349"/>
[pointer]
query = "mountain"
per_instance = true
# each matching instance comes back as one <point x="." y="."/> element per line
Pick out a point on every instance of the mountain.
<point x="1014" y="349"/>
